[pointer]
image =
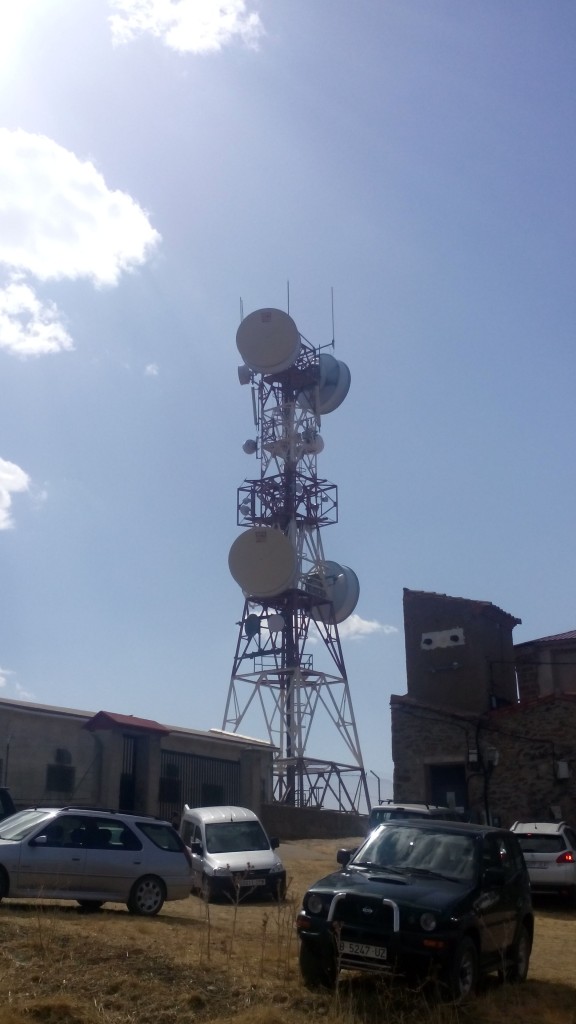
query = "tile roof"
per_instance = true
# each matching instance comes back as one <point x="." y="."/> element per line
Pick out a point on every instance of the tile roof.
<point x="556" y="638"/>
<point x="106" y="719"/>
<point x="478" y="605"/>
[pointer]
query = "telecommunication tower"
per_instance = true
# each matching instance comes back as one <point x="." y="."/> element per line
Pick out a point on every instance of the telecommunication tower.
<point x="294" y="598"/>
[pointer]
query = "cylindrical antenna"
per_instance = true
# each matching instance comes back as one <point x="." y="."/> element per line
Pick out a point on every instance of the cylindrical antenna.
<point x="241" y="310"/>
<point x="332" y="303"/>
<point x="288" y="296"/>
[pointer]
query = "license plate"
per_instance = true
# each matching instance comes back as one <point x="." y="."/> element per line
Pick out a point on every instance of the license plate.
<point x="359" y="949"/>
<point x="251" y="882"/>
<point x="541" y="865"/>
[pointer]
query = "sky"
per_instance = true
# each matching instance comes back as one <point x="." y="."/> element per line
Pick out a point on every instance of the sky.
<point x="165" y="164"/>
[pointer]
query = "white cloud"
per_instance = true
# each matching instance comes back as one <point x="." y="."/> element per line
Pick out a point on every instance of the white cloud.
<point x="59" y="219"/>
<point x="188" y="26"/>
<point x="151" y="370"/>
<point x="29" y="327"/>
<point x="20" y="692"/>
<point x="355" y="628"/>
<point x="12" y="480"/>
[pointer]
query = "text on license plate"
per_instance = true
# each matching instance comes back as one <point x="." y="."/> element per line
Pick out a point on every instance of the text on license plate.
<point x="359" y="949"/>
<point x="251" y="882"/>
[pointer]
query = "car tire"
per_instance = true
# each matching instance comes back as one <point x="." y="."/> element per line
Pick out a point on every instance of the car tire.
<point x="317" y="971"/>
<point x="91" y="906"/>
<point x="278" y="891"/>
<point x="206" y="890"/>
<point x="461" y="977"/>
<point x="516" y="969"/>
<point x="147" y="896"/>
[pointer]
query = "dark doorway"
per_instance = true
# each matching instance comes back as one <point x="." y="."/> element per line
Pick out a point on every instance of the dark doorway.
<point x="448" y="785"/>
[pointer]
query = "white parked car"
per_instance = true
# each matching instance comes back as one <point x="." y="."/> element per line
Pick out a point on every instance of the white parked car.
<point x="231" y="853"/>
<point x="549" y="849"/>
<point x="93" y="857"/>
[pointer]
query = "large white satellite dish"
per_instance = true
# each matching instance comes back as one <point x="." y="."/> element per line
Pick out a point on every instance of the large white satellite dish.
<point x="268" y="341"/>
<point x="338" y="584"/>
<point x="263" y="561"/>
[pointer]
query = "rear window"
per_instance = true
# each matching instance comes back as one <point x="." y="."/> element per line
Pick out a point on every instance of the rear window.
<point x="162" y="835"/>
<point x="397" y="814"/>
<point x="538" y="842"/>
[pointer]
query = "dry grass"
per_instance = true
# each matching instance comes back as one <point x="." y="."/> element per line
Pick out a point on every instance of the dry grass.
<point x="221" y="964"/>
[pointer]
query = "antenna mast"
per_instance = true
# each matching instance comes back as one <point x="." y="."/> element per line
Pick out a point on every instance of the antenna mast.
<point x="294" y="598"/>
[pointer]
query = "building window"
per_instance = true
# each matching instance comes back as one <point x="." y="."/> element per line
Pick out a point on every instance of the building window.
<point x="60" y="778"/>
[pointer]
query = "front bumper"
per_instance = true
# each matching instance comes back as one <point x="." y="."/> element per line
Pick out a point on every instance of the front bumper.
<point x="356" y="945"/>
<point x="241" y="886"/>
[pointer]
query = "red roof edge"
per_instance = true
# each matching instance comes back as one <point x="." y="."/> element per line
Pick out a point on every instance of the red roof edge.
<point x="109" y="720"/>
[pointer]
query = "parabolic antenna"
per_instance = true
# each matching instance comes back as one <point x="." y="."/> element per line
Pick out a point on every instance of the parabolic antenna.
<point x="268" y="341"/>
<point x="338" y="584"/>
<point x="333" y="385"/>
<point x="262" y="560"/>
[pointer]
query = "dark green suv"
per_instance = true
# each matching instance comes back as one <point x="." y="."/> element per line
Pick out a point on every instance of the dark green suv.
<point x="422" y="898"/>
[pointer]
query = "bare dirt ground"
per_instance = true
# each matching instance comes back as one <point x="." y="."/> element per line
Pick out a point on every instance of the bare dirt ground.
<point x="218" y="963"/>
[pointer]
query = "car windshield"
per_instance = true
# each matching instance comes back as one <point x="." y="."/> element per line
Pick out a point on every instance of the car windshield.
<point x="541" y="843"/>
<point x="419" y="850"/>
<point x="236" y="836"/>
<point x="21" y="824"/>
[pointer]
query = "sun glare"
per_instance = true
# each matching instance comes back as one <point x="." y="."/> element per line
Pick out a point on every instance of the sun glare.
<point x="15" y="20"/>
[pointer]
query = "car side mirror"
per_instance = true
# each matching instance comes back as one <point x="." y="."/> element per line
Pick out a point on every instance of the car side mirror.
<point x="39" y="841"/>
<point x="494" y="876"/>
<point x="344" y="856"/>
<point x="274" y="842"/>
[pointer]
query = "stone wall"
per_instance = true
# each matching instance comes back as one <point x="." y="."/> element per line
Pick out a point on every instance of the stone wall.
<point x="510" y="757"/>
<point x="311" y="823"/>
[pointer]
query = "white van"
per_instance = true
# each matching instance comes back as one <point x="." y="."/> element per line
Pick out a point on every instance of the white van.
<point x="231" y="853"/>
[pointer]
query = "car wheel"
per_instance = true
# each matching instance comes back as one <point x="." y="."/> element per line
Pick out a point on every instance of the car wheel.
<point x="90" y="906"/>
<point x="147" y="896"/>
<point x="461" y="978"/>
<point x="206" y="889"/>
<point x="317" y="971"/>
<point x="517" y="967"/>
<point x="278" y="891"/>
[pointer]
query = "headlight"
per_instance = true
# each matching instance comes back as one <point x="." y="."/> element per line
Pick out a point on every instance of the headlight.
<point x="428" y="921"/>
<point x="314" y="904"/>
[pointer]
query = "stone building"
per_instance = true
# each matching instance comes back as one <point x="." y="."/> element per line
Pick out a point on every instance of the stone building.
<point x="485" y="725"/>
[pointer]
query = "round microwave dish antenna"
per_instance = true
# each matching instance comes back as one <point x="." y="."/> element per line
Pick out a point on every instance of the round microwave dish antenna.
<point x="333" y="385"/>
<point x="334" y="391"/>
<point x="263" y="562"/>
<point x="338" y="584"/>
<point x="268" y="341"/>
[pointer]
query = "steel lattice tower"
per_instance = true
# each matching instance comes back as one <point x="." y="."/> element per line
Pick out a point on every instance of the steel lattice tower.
<point x="294" y="597"/>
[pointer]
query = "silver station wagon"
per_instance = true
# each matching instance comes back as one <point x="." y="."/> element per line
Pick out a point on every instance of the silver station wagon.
<point x="93" y="857"/>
